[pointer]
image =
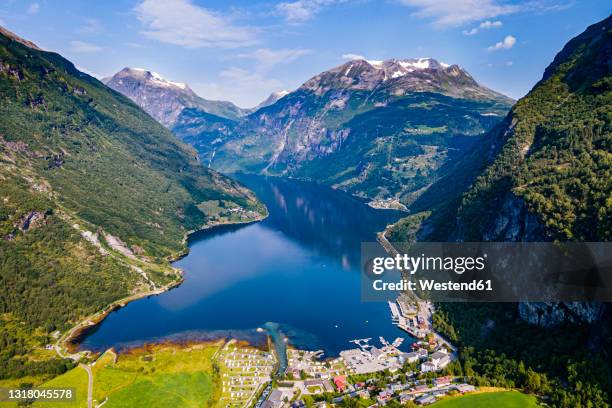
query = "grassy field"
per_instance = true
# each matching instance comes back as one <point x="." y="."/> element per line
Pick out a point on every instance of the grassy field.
<point x="155" y="376"/>
<point x="505" y="399"/>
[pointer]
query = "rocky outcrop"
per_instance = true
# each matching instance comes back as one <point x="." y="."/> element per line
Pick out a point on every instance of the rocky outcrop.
<point x="118" y="245"/>
<point x="32" y="219"/>
<point x="513" y="223"/>
<point x="546" y="314"/>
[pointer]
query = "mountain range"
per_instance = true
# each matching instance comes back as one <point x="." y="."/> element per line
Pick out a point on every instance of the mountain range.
<point x="164" y="100"/>
<point x="383" y="130"/>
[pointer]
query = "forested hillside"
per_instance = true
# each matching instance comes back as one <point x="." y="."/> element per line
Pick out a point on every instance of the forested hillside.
<point x="544" y="173"/>
<point x="95" y="197"/>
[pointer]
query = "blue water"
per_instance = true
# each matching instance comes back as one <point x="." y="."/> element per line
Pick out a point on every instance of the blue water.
<point x="298" y="269"/>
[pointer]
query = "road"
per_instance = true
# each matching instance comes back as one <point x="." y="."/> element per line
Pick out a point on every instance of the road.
<point x="89" y="385"/>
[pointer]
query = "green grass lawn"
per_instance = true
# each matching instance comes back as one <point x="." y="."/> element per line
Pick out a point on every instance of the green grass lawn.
<point x="158" y="376"/>
<point x="504" y="399"/>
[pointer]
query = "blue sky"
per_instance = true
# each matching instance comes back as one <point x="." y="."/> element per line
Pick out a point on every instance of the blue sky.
<point x="243" y="50"/>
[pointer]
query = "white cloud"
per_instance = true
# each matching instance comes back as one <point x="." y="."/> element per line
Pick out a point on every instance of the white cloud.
<point x="302" y="10"/>
<point x="84" y="47"/>
<point x="183" y="23"/>
<point x="267" y="58"/>
<point x="453" y="13"/>
<point x="240" y="86"/>
<point x="33" y="8"/>
<point x="507" y="43"/>
<point x="350" y="57"/>
<point x="247" y="86"/>
<point x="485" y="25"/>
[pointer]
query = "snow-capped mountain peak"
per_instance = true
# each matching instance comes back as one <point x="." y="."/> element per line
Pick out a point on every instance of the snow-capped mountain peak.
<point x="151" y="77"/>
<point x="164" y="99"/>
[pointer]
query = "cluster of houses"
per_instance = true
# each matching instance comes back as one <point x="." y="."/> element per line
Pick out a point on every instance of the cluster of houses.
<point x="308" y="375"/>
<point x="429" y="354"/>
<point x="419" y="392"/>
<point x="363" y="361"/>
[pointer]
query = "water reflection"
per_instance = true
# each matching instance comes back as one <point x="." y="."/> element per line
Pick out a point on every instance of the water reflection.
<point x="297" y="268"/>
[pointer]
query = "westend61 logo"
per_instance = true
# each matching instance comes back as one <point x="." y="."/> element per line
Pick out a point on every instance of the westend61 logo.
<point x="488" y="271"/>
<point x="414" y="264"/>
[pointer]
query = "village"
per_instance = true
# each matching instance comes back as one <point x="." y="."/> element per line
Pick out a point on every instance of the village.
<point x="375" y="374"/>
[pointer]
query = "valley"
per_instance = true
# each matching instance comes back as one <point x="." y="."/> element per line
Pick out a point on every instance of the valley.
<point x="158" y="248"/>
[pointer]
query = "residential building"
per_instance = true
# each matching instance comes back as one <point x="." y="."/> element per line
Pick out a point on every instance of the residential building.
<point x="441" y="381"/>
<point x="340" y="383"/>
<point x="425" y="400"/>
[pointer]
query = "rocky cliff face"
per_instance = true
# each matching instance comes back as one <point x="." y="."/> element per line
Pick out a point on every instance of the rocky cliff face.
<point x="553" y="314"/>
<point x="164" y="100"/>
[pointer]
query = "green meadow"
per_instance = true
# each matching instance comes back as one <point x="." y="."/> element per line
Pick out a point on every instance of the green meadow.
<point x="153" y="376"/>
<point x="504" y="399"/>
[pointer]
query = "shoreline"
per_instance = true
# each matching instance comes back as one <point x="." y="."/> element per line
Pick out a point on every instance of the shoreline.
<point x="381" y="237"/>
<point x="65" y="346"/>
<point x="392" y="251"/>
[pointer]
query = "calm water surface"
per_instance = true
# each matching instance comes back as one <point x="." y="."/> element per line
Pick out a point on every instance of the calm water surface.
<point x="297" y="270"/>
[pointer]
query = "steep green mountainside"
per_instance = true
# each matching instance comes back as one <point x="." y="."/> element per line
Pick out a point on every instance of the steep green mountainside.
<point x="396" y="151"/>
<point x="203" y="131"/>
<point x="546" y="172"/>
<point x="383" y="130"/>
<point x="95" y="197"/>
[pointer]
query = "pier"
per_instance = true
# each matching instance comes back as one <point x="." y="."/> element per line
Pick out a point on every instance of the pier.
<point x="406" y="317"/>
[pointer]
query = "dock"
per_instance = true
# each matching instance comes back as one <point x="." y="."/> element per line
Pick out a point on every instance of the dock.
<point x="406" y="318"/>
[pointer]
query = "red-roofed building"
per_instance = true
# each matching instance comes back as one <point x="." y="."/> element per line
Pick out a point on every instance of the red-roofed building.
<point x="340" y="382"/>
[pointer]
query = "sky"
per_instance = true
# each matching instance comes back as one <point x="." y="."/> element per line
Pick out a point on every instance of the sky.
<point x="242" y="50"/>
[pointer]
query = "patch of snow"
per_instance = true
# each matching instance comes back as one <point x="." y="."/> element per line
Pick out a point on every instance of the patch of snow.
<point x="444" y="65"/>
<point x="375" y="63"/>
<point x="181" y="85"/>
<point x="421" y="63"/>
<point x="397" y="74"/>
<point x="156" y="76"/>
<point x="158" y="80"/>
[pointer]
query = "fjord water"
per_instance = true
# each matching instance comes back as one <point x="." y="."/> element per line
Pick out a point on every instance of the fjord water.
<point x="297" y="270"/>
